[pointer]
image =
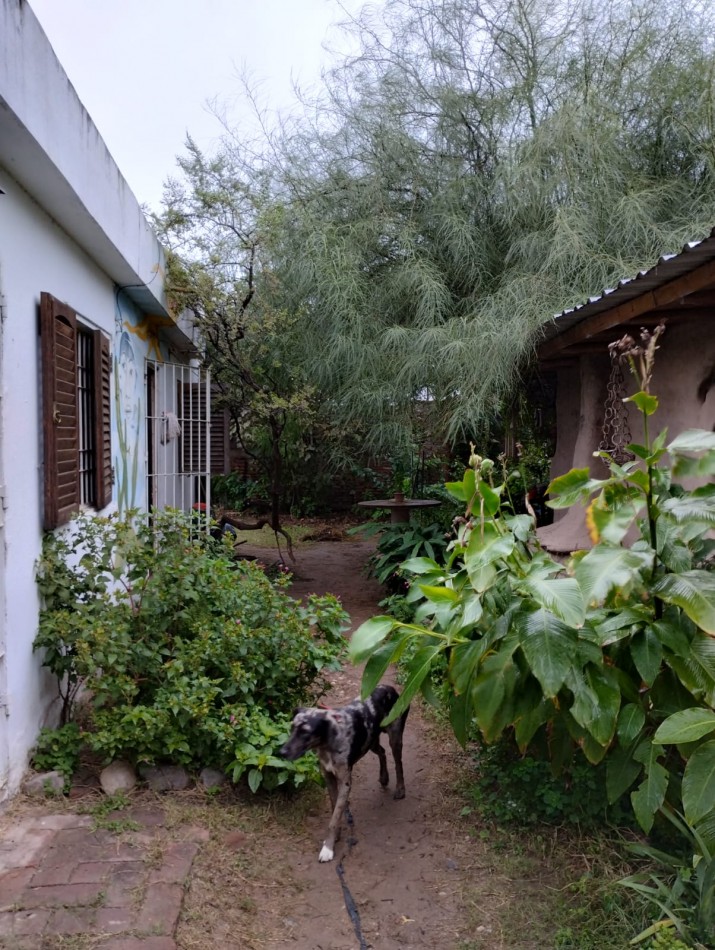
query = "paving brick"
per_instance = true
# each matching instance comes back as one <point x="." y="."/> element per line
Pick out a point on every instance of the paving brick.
<point x="29" y="922"/>
<point x="176" y="864"/>
<point x="12" y="886"/>
<point x="92" y="872"/>
<point x="48" y="876"/>
<point x="77" y="921"/>
<point x="122" y="885"/>
<point x="7" y="925"/>
<point x="23" y="846"/>
<point x="115" y="920"/>
<point x="61" y="895"/>
<point x="160" y="909"/>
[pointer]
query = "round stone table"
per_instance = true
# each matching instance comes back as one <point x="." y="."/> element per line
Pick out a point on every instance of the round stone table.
<point x="400" y="507"/>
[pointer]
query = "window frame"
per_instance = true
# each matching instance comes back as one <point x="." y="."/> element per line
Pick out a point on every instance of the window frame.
<point x="60" y="327"/>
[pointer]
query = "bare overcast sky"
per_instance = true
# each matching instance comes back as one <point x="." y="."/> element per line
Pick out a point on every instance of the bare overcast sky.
<point x="144" y="69"/>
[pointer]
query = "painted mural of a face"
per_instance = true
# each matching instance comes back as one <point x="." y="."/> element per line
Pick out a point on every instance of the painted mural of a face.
<point x="128" y="387"/>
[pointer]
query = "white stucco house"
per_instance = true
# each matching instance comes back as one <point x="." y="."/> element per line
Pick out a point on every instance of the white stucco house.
<point x="103" y="405"/>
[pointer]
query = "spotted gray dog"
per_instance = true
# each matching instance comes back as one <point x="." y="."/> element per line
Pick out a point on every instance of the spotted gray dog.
<point x="342" y="736"/>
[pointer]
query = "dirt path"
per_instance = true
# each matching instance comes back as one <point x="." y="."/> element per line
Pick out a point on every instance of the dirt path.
<point x="405" y="863"/>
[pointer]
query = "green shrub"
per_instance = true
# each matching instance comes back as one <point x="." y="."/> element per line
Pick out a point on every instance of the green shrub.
<point x="399" y="542"/>
<point x="58" y="750"/>
<point x="523" y="790"/>
<point x="188" y="655"/>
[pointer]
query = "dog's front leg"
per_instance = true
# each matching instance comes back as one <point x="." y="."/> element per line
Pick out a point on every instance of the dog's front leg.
<point x="327" y="852"/>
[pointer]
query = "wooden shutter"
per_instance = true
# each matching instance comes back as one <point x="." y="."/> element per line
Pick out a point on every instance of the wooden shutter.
<point x="58" y="342"/>
<point x="102" y="420"/>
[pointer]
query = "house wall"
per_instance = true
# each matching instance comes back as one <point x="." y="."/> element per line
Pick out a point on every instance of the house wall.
<point x="35" y="256"/>
<point x="69" y="226"/>
<point x="683" y="381"/>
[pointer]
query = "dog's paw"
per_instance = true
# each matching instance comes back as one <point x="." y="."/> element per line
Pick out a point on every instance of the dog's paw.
<point x="399" y="793"/>
<point x="326" y="854"/>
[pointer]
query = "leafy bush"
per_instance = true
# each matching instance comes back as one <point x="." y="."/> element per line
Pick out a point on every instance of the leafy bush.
<point x="614" y="655"/>
<point x="522" y="789"/>
<point x="399" y="542"/>
<point x="58" y="750"/>
<point x="236" y="492"/>
<point x="187" y="654"/>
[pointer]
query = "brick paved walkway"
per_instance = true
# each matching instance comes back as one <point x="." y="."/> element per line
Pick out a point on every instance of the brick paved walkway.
<point x="60" y="876"/>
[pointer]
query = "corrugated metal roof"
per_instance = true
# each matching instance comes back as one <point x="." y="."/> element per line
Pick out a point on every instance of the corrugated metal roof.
<point x="668" y="268"/>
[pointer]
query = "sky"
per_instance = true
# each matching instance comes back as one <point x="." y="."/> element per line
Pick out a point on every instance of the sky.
<point x="146" y="69"/>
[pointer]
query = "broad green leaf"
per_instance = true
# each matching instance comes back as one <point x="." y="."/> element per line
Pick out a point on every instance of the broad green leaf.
<point x="368" y="635"/>
<point x="694" y="592"/>
<point x="461" y="715"/>
<point x="482" y="578"/>
<point x="673" y="551"/>
<point x="623" y="619"/>
<point x="647" y="653"/>
<point x="621" y="772"/>
<point x="549" y="646"/>
<point x="561" y="596"/>
<point x="521" y="526"/>
<point x="464" y="490"/>
<point x="439" y="595"/>
<point x="490" y="498"/>
<point x="493" y="690"/>
<point x="699" y="467"/>
<point x="631" y="720"/>
<point x="693" y="508"/>
<point x="486" y="545"/>
<point x="463" y="662"/>
<point x="421" y="565"/>
<point x="644" y="401"/>
<point x="572" y="487"/>
<point x="686" y="726"/>
<point x="605" y="568"/>
<point x="640" y="478"/>
<point x="604" y="683"/>
<point x="531" y="711"/>
<point x="612" y="524"/>
<point x="254" y="780"/>
<point x="380" y="659"/>
<point x="471" y="611"/>
<point x="672" y="631"/>
<point x="699" y="783"/>
<point x="596" y="702"/>
<point x="650" y="794"/>
<point x="693" y="440"/>
<point x="416" y="670"/>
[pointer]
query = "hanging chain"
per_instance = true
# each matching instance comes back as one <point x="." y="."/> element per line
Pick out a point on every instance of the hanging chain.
<point x="616" y="430"/>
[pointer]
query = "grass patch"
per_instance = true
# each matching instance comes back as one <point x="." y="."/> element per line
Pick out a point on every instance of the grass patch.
<point x="552" y="888"/>
<point x="240" y="885"/>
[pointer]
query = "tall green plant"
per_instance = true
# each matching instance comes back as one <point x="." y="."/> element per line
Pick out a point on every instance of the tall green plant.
<point x="614" y="655"/>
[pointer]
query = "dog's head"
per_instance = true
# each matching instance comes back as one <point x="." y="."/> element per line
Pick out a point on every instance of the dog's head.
<point x="309" y="730"/>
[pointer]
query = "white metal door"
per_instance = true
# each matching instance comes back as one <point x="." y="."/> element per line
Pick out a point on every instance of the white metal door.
<point x="178" y="447"/>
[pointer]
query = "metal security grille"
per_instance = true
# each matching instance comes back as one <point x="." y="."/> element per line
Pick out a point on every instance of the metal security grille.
<point x="178" y="438"/>
<point x="87" y="458"/>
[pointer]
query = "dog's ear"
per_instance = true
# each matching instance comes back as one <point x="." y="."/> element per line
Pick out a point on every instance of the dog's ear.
<point x="298" y="710"/>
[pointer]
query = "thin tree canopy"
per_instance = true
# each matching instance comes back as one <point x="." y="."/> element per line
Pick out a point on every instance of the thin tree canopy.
<point x="473" y="170"/>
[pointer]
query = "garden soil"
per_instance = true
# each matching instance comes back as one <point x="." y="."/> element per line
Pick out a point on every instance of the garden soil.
<point x="400" y="873"/>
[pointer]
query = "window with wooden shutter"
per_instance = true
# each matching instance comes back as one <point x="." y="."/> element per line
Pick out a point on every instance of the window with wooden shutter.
<point x="76" y="410"/>
<point x="103" y="419"/>
<point x="58" y="325"/>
